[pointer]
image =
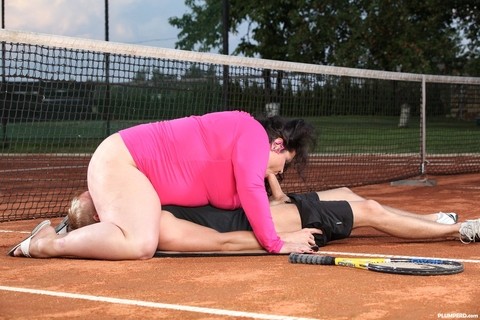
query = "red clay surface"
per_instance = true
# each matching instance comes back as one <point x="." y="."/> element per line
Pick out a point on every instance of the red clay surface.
<point x="262" y="286"/>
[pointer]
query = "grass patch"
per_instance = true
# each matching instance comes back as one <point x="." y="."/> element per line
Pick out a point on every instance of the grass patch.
<point x="336" y="134"/>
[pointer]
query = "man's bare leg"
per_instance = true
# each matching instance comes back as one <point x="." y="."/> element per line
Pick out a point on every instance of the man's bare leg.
<point x="347" y="194"/>
<point x="369" y="213"/>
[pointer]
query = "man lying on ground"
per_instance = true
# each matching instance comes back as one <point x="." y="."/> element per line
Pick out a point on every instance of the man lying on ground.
<point x="334" y="212"/>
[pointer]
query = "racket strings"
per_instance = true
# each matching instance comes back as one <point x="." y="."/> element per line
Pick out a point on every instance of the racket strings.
<point x="412" y="265"/>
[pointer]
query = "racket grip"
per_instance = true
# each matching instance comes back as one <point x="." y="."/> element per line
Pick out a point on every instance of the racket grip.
<point x="311" y="259"/>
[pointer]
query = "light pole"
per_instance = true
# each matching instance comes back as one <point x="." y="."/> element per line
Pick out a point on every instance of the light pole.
<point x="107" y="111"/>
<point x="4" y="142"/>
<point x="226" y="71"/>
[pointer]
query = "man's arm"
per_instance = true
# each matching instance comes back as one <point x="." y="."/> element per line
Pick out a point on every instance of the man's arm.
<point x="182" y="235"/>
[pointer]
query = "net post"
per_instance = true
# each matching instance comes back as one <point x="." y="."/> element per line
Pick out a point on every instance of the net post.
<point x="423" y="126"/>
<point x="423" y="138"/>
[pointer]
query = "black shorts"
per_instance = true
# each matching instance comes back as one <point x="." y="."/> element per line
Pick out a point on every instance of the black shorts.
<point x="334" y="218"/>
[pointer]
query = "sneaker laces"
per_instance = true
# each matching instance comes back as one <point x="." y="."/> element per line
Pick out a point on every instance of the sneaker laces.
<point x="470" y="231"/>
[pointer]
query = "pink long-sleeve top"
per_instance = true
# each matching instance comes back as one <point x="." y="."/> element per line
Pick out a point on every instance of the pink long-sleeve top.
<point x="218" y="158"/>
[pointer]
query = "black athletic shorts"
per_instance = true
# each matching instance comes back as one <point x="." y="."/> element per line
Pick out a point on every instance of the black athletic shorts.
<point x="334" y="218"/>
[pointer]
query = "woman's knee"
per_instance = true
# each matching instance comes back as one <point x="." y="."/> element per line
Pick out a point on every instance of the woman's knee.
<point x="144" y="247"/>
<point x="143" y="239"/>
<point x="168" y="240"/>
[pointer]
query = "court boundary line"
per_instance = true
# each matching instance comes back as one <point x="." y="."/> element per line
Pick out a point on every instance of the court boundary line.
<point x="13" y="231"/>
<point x="42" y="168"/>
<point x="151" y="304"/>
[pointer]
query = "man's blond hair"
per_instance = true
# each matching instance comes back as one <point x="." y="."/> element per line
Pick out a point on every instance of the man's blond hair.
<point x="81" y="212"/>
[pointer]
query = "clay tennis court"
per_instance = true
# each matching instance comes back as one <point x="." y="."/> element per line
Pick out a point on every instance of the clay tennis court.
<point x="257" y="287"/>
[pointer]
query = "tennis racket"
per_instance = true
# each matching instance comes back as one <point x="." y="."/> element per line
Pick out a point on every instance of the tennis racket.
<point x="417" y="266"/>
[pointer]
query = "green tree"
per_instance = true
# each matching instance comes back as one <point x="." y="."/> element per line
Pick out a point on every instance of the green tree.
<point x="405" y="35"/>
<point x="202" y="28"/>
<point x="430" y="36"/>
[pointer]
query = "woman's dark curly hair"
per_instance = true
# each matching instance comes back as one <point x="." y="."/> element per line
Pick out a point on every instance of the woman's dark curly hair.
<point x="298" y="136"/>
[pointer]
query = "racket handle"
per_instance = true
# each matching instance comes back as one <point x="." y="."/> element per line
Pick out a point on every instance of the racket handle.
<point x="311" y="259"/>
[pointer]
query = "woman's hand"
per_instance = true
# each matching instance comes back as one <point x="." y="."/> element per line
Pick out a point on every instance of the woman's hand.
<point x="301" y="241"/>
<point x="289" y="247"/>
<point x="304" y="236"/>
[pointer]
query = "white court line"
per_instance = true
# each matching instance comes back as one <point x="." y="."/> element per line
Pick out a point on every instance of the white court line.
<point x="42" y="168"/>
<point x="149" y="304"/>
<point x="13" y="231"/>
<point x="380" y="255"/>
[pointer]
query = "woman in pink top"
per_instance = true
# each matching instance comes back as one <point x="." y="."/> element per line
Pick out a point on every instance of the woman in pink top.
<point x="219" y="158"/>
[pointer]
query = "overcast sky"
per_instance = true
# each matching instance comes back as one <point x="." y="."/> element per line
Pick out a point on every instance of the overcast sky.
<point x="131" y="21"/>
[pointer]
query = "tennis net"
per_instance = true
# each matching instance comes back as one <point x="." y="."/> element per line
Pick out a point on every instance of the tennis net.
<point x="61" y="96"/>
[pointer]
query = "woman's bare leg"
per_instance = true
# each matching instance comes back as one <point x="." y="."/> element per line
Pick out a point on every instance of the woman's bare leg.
<point x="127" y="205"/>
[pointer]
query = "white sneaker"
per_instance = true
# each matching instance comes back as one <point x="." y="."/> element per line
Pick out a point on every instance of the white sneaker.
<point x="447" y="218"/>
<point x="470" y="231"/>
